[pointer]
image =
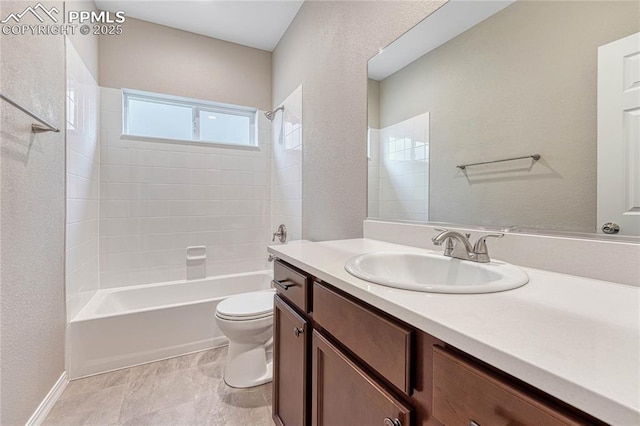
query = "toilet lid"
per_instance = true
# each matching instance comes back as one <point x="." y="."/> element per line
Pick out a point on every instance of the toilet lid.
<point x="257" y="304"/>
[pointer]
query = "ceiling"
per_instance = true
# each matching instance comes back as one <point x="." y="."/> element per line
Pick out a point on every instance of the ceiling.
<point x="255" y="23"/>
<point x="449" y="21"/>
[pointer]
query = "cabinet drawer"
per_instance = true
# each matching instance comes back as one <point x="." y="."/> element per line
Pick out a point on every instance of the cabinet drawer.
<point x="343" y="394"/>
<point x="293" y="285"/>
<point x="465" y="394"/>
<point x="383" y="344"/>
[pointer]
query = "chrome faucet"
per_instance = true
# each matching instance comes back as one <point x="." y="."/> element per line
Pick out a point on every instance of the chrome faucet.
<point x="454" y="244"/>
<point x="281" y="233"/>
<point x="458" y="245"/>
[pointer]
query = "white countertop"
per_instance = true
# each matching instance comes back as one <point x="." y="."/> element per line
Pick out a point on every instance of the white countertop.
<point x="575" y="338"/>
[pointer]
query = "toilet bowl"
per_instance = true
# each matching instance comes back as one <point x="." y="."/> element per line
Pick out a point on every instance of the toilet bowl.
<point x="247" y="321"/>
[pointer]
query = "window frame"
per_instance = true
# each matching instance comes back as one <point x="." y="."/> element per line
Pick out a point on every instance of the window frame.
<point x="196" y="106"/>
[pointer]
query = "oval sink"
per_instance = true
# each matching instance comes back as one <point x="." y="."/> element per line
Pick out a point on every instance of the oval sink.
<point x="435" y="273"/>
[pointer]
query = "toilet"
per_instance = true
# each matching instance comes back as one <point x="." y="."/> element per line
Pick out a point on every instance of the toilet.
<point x="247" y="321"/>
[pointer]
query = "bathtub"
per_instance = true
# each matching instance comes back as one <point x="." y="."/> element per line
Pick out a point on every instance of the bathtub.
<point x="127" y="326"/>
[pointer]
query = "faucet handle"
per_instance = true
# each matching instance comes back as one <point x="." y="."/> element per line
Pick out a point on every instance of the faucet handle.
<point x="480" y="247"/>
<point x="281" y="233"/>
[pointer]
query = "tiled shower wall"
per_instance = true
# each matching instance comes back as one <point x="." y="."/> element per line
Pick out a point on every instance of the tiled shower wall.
<point x="373" y="173"/>
<point x="159" y="198"/>
<point x="83" y="184"/>
<point x="399" y="170"/>
<point x="286" y="195"/>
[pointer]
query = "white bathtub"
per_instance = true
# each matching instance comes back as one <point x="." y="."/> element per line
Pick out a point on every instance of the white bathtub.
<point x="126" y="326"/>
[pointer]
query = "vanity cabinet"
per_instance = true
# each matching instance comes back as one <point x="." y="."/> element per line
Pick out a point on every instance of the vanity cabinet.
<point x="291" y="349"/>
<point x="293" y="285"/>
<point x="344" y="394"/>
<point x="341" y="362"/>
<point x="290" y="396"/>
<point x="373" y="364"/>
<point x="466" y="394"/>
<point x="381" y="343"/>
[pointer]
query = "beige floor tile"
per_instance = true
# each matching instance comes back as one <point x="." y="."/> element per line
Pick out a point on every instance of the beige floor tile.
<point x="217" y="355"/>
<point x="210" y="410"/>
<point x="152" y="393"/>
<point x="267" y="391"/>
<point x="144" y="371"/>
<point x="95" y="383"/>
<point x="177" y="415"/>
<point x="101" y="407"/>
<point x="181" y="391"/>
<point x="243" y="398"/>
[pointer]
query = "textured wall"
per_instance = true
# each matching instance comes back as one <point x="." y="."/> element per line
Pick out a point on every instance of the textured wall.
<point x="326" y="49"/>
<point x="521" y="82"/>
<point x="160" y="59"/>
<point x="32" y="221"/>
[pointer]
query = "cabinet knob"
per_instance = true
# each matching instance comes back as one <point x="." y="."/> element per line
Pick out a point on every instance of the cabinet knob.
<point x="388" y="421"/>
<point x="473" y="423"/>
<point x="297" y="331"/>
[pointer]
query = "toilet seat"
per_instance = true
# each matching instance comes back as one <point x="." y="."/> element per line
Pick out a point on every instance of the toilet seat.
<point x="246" y="306"/>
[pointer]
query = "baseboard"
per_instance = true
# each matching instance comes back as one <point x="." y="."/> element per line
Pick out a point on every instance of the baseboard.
<point x="48" y="402"/>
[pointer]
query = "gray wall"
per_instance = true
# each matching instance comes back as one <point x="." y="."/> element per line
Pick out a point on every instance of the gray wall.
<point x="160" y="59"/>
<point x="32" y="221"/>
<point x="523" y="81"/>
<point x="326" y="49"/>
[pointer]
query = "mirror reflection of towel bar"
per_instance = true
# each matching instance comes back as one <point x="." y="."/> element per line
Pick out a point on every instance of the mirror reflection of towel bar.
<point x="535" y="157"/>
<point x="35" y="128"/>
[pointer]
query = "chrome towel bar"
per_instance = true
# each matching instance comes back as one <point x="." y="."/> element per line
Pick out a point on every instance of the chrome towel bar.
<point x="535" y="157"/>
<point x="35" y="128"/>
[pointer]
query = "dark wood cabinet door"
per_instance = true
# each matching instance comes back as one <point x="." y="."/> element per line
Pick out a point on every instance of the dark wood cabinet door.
<point x="290" y="366"/>
<point x="344" y="395"/>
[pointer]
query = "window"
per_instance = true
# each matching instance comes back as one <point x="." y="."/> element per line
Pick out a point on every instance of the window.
<point x="157" y="116"/>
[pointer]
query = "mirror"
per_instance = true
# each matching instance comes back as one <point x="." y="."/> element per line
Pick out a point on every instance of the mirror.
<point x="515" y="87"/>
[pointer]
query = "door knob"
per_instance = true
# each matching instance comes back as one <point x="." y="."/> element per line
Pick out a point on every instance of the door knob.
<point x="610" y="228"/>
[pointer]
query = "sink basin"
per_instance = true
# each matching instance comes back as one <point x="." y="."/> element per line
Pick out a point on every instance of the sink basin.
<point x="435" y="273"/>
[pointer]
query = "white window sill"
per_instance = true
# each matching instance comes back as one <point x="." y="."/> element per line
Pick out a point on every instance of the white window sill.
<point x="190" y="142"/>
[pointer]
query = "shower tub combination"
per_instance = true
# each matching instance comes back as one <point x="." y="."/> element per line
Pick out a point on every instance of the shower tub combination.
<point x="127" y="326"/>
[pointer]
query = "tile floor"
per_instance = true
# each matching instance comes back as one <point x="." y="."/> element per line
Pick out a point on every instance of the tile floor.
<point x="182" y="391"/>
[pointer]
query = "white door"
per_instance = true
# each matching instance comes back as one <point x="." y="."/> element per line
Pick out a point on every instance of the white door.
<point x="619" y="135"/>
